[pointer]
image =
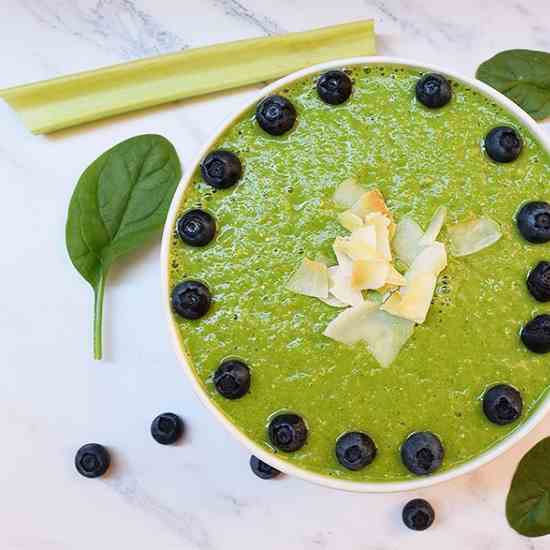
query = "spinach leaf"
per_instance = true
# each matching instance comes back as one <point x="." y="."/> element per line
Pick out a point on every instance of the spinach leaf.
<point x="120" y="200"/>
<point x="528" y="502"/>
<point x="523" y="76"/>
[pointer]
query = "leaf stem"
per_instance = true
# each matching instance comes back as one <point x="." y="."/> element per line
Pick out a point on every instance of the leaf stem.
<point x="98" y="315"/>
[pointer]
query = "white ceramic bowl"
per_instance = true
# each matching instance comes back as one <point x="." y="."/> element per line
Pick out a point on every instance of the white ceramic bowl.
<point x="358" y="486"/>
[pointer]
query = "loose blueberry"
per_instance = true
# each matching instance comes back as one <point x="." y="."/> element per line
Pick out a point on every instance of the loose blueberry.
<point x="355" y="450"/>
<point x="418" y="514"/>
<point x="433" y="90"/>
<point x="334" y="87"/>
<point x="221" y="169"/>
<point x="538" y="282"/>
<point x="92" y="460"/>
<point x="422" y="453"/>
<point x="167" y="428"/>
<point x="191" y="299"/>
<point x="287" y="432"/>
<point x="276" y="115"/>
<point x="503" y="144"/>
<point x="196" y="227"/>
<point x="502" y="404"/>
<point x="261" y="469"/>
<point x="536" y="334"/>
<point x="533" y="221"/>
<point x="232" y="379"/>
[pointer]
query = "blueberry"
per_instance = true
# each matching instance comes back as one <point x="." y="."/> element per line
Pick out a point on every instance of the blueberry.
<point x="502" y="404"/>
<point x="276" y="115"/>
<point x="538" y="282"/>
<point x="503" y="144"/>
<point x="433" y="90"/>
<point x="533" y="221"/>
<point x="196" y="227"/>
<point x="418" y="514"/>
<point x="355" y="450"/>
<point x="232" y="379"/>
<point x="422" y="453"/>
<point x="167" y="428"/>
<point x="261" y="469"/>
<point x="221" y="169"/>
<point x="287" y="432"/>
<point x="92" y="460"/>
<point x="334" y="87"/>
<point x="191" y="299"/>
<point x="536" y="334"/>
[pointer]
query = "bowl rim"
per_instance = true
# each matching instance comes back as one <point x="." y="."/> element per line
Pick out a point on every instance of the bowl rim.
<point x="347" y="485"/>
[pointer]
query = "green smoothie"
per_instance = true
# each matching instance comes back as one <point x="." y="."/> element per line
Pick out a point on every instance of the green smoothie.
<point x="282" y="211"/>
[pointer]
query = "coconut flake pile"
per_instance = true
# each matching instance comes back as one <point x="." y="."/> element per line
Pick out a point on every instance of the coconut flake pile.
<point x="395" y="302"/>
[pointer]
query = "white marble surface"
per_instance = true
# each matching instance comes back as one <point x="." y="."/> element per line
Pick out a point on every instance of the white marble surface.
<point x="53" y="397"/>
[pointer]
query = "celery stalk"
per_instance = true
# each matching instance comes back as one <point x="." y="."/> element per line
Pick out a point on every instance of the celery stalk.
<point x="70" y="100"/>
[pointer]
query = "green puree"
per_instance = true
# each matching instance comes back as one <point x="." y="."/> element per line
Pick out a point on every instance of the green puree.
<point x="282" y="210"/>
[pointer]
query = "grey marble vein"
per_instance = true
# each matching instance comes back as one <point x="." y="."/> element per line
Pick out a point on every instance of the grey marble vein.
<point x="238" y="10"/>
<point x="185" y="525"/>
<point x="319" y="539"/>
<point x="116" y="26"/>
<point x="415" y="19"/>
<point x="237" y="505"/>
<point x="541" y="35"/>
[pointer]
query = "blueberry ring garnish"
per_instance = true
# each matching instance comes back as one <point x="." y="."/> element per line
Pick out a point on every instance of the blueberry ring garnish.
<point x="196" y="227"/>
<point x="334" y="87"/>
<point x="433" y="91"/>
<point x="221" y="169"/>
<point x="503" y="144"/>
<point x="276" y="115"/>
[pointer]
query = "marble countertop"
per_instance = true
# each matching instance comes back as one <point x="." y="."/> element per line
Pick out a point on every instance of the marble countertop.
<point x="200" y="494"/>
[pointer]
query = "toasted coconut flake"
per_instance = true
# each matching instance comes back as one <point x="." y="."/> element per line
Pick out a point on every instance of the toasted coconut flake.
<point x="350" y="221"/>
<point x="310" y="279"/>
<point x="472" y="236"/>
<point x="406" y="242"/>
<point x="333" y="301"/>
<point x="431" y="259"/>
<point x="347" y="326"/>
<point x="340" y="285"/>
<point x="413" y="301"/>
<point x="385" y="335"/>
<point x="373" y="202"/>
<point x="395" y="278"/>
<point x="369" y="274"/>
<point x="370" y="203"/>
<point x="348" y="193"/>
<point x="381" y="225"/>
<point x="434" y="227"/>
<point x="384" y="292"/>
<point x="360" y="245"/>
<point x="376" y="218"/>
<point x="344" y="261"/>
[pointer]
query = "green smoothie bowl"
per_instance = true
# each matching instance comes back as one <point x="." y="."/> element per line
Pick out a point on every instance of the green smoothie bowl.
<point x="354" y="272"/>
